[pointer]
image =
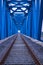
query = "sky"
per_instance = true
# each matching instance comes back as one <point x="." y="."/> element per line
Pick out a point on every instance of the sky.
<point x="42" y="26"/>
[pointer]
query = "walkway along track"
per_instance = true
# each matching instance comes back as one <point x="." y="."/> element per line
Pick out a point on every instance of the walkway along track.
<point x="7" y="51"/>
<point x="31" y="52"/>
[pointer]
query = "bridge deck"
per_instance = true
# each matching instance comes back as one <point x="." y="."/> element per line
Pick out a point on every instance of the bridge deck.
<point x="19" y="53"/>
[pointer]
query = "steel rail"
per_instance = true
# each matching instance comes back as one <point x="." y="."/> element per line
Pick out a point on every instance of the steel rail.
<point x="6" y="51"/>
<point x="37" y="62"/>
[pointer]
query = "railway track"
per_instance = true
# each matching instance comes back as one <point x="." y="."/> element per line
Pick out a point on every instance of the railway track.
<point x="19" y="53"/>
<point x="31" y="52"/>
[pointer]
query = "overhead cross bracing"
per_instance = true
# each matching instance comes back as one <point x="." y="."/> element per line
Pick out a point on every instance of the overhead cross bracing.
<point x="18" y="8"/>
<point x="23" y="15"/>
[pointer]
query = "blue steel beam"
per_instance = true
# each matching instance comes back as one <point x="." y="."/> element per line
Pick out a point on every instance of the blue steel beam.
<point x="36" y="27"/>
<point x="29" y="23"/>
<point x="7" y="27"/>
<point x="19" y="1"/>
<point x="11" y="25"/>
<point x="40" y="20"/>
<point x="3" y="17"/>
<point x="24" y="26"/>
<point x="0" y="17"/>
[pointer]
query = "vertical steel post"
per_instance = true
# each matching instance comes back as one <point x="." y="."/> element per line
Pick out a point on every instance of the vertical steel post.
<point x="36" y="6"/>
